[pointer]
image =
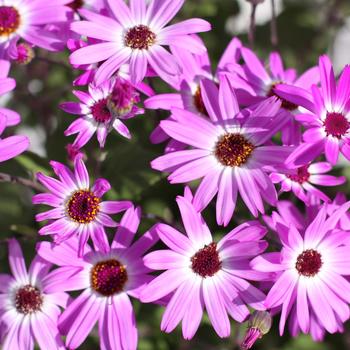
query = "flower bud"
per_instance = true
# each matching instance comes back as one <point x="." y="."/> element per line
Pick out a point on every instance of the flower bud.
<point x="258" y="325"/>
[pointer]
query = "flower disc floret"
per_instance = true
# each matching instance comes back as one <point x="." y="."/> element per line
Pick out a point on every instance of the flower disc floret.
<point x="9" y="20"/>
<point x="309" y="263"/>
<point x="206" y="262"/>
<point x="336" y="125"/>
<point x="233" y="150"/>
<point x="101" y="112"/>
<point x="83" y="206"/>
<point x="139" y="37"/>
<point x="108" y="277"/>
<point x="302" y="175"/>
<point x="28" y="299"/>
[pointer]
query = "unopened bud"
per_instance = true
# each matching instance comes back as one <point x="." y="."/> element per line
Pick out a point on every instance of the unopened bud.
<point x="258" y="325"/>
<point x="21" y="53"/>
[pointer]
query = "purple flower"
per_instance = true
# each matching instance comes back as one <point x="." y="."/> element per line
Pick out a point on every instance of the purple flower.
<point x="25" y="19"/>
<point x="78" y="209"/>
<point x="310" y="287"/>
<point x="327" y="117"/>
<point x="231" y="151"/>
<point x="204" y="274"/>
<point x="254" y="83"/>
<point x="107" y="280"/>
<point x="12" y="146"/>
<point x="195" y="68"/>
<point x="101" y="110"/>
<point x="136" y="35"/>
<point x="301" y="181"/>
<point x="29" y="308"/>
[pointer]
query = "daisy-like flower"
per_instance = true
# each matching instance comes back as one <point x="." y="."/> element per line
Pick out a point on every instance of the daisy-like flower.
<point x="204" y="274"/>
<point x="311" y="287"/>
<point x="25" y="19"/>
<point x="327" y="119"/>
<point x="29" y="308"/>
<point x="195" y="68"/>
<point x="12" y="146"/>
<point x="136" y="35"/>
<point x="253" y="83"/>
<point x="301" y="180"/>
<point x="229" y="151"/>
<point x="102" y="109"/>
<point x="107" y="280"/>
<point x="78" y="208"/>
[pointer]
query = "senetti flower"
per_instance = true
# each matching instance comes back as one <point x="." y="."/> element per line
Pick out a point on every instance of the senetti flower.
<point x="195" y="68"/>
<point x="230" y="151"/>
<point x="78" y="208"/>
<point x="25" y="19"/>
<point x="253" y="83"/>
<point x="136" y="35"/>
<point x="12" y="146"/>
<point x="29" y="309"/>
<point x="311" y="286"/>
<point x="102" y="109"/>
<point x="301" y="180"/>
<point x="108" y="280"/>
<point x="204" y="274"/>
<point x="327" y="119"/>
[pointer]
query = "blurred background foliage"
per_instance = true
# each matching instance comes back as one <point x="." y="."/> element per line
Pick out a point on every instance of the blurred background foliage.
<point x="306" y="29"/>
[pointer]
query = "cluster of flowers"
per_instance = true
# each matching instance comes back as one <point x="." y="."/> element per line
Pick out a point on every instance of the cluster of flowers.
<point x="241" y="130"/>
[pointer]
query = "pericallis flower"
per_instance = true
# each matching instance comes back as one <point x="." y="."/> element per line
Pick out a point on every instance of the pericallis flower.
<point x="311" y="287"/>
<point x="201" y="273"/>
<point x="29" y="307"/>
<point x="26" y="19"/>
<point x="136" y="34"/>
<point x="78" y="208"/>
<point x="102" y="109"/>
<point x="327" y="119"/>
<point x="231" y="151"/>
<point x="301" y="180"/>
<point x="108" y="280"/>
<point x="195" y="69"/>
<point x="255" y="82"/>
<point x="11" y="146"/>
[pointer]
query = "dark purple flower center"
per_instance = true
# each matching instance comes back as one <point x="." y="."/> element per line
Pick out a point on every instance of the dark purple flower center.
<point x="100" y="111"/>
<point x="206" y="261"/>
<point x="76" y="4"/>
<point x="9" y="20"/>
<point x="233" y="150"/>
<point x="308" y="263"/>
<point x="301" y="176"/>
<point x="108" y="277"/>
<point x="336" y="124"/>
<point x="285" y="104"/>
<point x="198" y="101"/>
<point x="83" y="206"/>
<point x="28" y="299"/>
<point x="139" y="37"/>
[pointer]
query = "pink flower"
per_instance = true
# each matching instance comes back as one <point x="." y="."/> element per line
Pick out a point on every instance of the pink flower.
<point x="195" y="68"/>
<point x="78" y="209"/>
<point x="25" y="19"/>
<point x="203" y="274"/>
<point x="136" y="35"/>
<point x="12" y="146"/>
<point x="101" y="110"/>
<point x="300" y="181"/>
<point x="310" y="287"/>
<point x="327" y="118"/>
<point x="231" y="151"/>
<point x="108" y="280"/>
<point x="29" y="308"/>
